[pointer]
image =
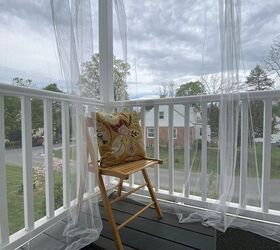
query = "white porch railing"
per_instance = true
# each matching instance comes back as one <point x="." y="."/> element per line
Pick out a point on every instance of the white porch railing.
<point x="203" y="200"/>
<point x="33" y="228"/>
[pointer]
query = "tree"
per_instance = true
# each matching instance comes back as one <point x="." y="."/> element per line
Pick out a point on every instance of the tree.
<point x="213" y="119"/>
<point x="259" y="81"/>
<point x="12" y="111"/>
<point x="18" y="81"/>
<point x="12" y="118"/>
<point x="212" y="83"/>
<point x="166" y="90"/>
<point x="53" y="87"/>
<point x="37" y="110"/>
<point x="56" y="110"/>
<point x="272" y="60"/>
<point x="90" y="78"/>
<point x="191" y="88"/>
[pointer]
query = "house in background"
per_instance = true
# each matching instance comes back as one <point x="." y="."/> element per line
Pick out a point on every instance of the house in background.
<point x="178" y="121"/>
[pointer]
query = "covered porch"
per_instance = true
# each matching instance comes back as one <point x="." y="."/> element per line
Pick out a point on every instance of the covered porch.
<point x="176" y="130"/>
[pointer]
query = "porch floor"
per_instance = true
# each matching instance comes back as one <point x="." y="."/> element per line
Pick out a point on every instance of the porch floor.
<point x="149" y="233"/>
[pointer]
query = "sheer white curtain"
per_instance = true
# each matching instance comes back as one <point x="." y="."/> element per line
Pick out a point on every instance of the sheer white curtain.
<point x="74" y="35"/>
<point x="72" y="22"/>
<point x="225" y="210"/>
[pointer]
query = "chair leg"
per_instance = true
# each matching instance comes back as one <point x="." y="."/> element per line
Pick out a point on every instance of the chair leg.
<point x="108" y="210"/>
<point x="120" y="187"/>
<point x="152" y="193"/>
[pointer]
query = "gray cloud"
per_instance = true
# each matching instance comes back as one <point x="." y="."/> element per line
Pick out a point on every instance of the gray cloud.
<point x="36" y="13"/>
<point x="170" y="39"/>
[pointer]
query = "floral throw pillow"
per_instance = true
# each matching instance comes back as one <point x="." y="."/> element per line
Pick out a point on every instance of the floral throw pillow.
<point x="119" y="138"/>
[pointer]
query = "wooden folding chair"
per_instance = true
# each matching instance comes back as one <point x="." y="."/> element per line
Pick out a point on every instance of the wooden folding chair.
<point x="123" y="172"/>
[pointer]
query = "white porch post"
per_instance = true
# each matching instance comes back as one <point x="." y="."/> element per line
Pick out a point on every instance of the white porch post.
<point x="106" y="50"/>
<point x="106" y="55"/>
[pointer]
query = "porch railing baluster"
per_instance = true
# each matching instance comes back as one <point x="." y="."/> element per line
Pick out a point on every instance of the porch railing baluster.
<point x="65" y="153"/>
<point x="203" y="177"/>
<point x="171" y="148"/>
<point x="131" y="177"/>
<point x="48" y="144"/>
<point x="4" y="224"/>
<point x="27" y="174"/>
<point x="243" y="154"/>
<point x="187" y="150"/>
<point x="156" y="146"/>
<point x="78" y="134"/>
<point x="266" y="157"/>
<point x="143" y="124"/>
<point x="91" y="176"/>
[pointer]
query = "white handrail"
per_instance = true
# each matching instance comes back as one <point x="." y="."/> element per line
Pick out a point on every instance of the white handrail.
<point x="11" y="90"/>
<point x="252" y="95"/>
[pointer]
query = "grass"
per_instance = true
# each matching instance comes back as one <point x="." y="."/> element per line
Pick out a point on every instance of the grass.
<point x="212" y="153"/>
<point x="57" y="153"/>
<point x="15" y="197"/>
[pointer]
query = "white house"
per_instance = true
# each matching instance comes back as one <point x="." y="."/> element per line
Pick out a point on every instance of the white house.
<point x="178" y="123"/>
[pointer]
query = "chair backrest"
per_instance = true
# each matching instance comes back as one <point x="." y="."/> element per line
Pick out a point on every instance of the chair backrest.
<point x="91" y="149"/>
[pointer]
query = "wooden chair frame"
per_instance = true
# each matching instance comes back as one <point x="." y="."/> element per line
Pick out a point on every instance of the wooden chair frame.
<point x="121" y="171"/>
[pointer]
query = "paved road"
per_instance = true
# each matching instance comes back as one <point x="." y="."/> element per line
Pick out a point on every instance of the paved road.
<point x="14" y="156"/>
<point x="252" y="185"/>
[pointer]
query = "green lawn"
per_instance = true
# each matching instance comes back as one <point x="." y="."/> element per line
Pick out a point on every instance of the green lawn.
<point x="212" y="159"/>
<point x="15" y="197"/>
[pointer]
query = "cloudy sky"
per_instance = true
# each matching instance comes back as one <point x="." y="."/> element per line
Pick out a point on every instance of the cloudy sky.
<point x="167" y="40"/>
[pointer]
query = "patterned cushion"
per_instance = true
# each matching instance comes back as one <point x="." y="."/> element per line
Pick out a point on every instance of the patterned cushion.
<point x="119" y="138"/>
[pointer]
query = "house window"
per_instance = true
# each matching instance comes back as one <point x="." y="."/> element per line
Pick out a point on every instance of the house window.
<point x="150" y="133"/>
<point x="175" y="133"/>
<point x="161" y="115"/>
<point x="200" y="131"/>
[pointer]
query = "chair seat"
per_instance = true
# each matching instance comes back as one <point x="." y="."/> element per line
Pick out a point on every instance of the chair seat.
<point x="125" y="169"/>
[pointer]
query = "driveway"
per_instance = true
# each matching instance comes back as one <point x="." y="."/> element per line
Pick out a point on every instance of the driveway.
<point x="14" y="156"/>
